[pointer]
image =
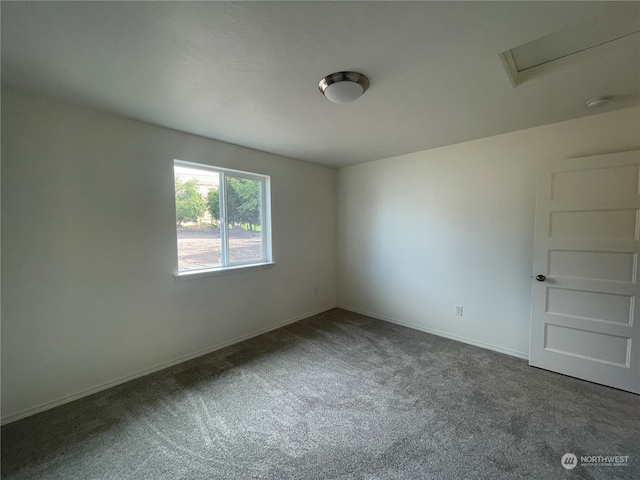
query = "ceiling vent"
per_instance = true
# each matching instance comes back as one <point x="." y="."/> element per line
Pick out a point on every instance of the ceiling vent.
<point x="568" y="48"/>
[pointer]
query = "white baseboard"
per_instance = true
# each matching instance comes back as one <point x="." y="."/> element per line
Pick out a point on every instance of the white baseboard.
<point x="488" y="346"/>
<point x="104" y="386"/>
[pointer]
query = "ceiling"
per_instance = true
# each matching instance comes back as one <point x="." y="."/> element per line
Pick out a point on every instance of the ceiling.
<point x="247" y="73"/>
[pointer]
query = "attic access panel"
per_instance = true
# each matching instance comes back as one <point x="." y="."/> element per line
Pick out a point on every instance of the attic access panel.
<point x="567" y="48"/>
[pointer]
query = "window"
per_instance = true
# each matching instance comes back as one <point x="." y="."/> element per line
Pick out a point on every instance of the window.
<point x="222" y="219"/>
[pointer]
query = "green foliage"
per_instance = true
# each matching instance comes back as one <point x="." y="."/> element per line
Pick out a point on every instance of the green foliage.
<point x="243" y="199"/>
<point x="234" y="203"/>
<point x="213" y="204"/>
<point x="190" y="205"/>
<point x="243" y="203"/>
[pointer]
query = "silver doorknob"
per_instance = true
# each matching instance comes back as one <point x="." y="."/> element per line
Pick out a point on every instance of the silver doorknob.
<point x="541" y="278"/>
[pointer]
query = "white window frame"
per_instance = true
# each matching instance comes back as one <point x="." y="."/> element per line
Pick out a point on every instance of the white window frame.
<point x="265" y="227"/>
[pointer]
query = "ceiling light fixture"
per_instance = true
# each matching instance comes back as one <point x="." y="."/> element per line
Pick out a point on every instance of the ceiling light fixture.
<point x="598" y="102"/>
<point x="343" y="87"/>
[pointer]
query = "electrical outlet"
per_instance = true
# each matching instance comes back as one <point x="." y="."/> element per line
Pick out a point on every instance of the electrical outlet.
<point x="459" y="310"/>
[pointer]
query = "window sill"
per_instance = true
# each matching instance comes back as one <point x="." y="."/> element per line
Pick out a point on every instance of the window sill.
<point x="215" y="272"/>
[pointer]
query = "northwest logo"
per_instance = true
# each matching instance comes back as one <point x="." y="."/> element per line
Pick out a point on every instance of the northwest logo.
<point x="569" y="461"/>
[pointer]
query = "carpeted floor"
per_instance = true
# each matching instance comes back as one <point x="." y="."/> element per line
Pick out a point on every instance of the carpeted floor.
<point x="334" y="396"/>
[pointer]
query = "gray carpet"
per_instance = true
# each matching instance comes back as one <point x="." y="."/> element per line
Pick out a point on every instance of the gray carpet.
<point x="334" y="396"/>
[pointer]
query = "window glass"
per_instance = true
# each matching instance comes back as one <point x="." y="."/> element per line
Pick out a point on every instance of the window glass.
<point x="220" y="217"/>
<point x="244" y="214"/>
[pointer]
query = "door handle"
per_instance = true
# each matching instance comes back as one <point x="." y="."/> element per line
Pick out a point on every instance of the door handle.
<point x="541" y="278"/>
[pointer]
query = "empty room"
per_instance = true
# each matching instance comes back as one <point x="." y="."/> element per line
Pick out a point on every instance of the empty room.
<point x="320" y="240"/>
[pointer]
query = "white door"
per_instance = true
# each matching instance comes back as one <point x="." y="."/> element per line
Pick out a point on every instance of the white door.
<point x="586" y="298"/>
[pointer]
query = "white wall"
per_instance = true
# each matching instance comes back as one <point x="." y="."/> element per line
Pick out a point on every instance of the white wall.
<point x="421" y="233"/>
<point x="89" y="251"/>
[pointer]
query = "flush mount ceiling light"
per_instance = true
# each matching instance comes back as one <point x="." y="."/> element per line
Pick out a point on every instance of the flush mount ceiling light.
<point x="343" y="87"/>
<point x="598" y="102"/>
